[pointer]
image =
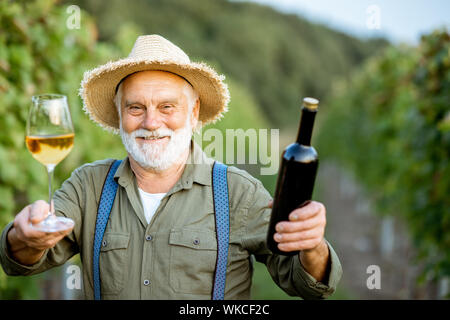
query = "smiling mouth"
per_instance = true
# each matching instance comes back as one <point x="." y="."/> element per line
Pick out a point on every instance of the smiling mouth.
<point x="151" y="139"/>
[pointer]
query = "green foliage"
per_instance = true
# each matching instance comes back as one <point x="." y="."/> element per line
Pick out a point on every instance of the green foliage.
<point x="391" y="125"/>
<point x="279" y="57"/>
<point x="39" y="54"/>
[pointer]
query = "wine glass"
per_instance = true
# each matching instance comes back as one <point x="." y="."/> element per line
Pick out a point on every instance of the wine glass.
<point x="49" y="138"/>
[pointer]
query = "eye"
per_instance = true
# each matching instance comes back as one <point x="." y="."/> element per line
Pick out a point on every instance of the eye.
<point x="135" y="107"/>
<point x="166" y="108"/>
<point x="135" y="110"/>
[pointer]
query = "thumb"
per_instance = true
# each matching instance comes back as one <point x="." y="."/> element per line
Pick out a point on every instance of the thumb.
<point x="270" y="204"/>
<point x="39" y="211"/>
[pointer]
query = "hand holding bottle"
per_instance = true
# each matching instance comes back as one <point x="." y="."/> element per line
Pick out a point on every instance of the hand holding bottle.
<point x="304" y="233"/>
<point x="305" y="229"/>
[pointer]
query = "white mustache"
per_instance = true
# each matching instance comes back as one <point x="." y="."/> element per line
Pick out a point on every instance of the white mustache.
<point x="158" y="133"/>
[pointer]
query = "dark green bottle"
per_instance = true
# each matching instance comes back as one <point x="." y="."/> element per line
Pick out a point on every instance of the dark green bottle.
<point x="296" y="174"/>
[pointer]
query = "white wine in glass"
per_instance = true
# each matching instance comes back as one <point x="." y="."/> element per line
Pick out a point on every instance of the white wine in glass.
<point x="50" y="138"/>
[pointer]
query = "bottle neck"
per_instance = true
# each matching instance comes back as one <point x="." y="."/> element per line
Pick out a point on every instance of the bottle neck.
<point x="306" y="126"/>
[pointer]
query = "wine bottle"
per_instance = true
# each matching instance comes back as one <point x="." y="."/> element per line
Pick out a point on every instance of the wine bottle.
<point x="296" y="174"/>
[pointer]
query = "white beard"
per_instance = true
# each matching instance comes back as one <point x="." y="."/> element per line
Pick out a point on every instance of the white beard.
<point x="154" y="156"/>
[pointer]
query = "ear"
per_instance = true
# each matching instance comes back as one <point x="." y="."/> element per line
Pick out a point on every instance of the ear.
<point x="195" y="113"/>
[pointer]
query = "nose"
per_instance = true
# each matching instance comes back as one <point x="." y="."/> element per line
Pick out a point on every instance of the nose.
<point x="152" y="120"/>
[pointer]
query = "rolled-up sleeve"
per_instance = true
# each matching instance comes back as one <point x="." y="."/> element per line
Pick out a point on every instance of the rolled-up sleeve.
<point x="309" y="286"/>
<point x="286" y="271"/>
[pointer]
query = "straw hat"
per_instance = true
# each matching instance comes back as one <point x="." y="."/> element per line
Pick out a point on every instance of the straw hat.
<point x="152" y="52"/>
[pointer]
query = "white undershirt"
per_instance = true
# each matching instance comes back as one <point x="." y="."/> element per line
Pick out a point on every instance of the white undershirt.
<point x="150" y="202"/>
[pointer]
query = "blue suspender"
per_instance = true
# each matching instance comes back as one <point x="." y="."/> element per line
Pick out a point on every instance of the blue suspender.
<point x="221" y="208"/>
<point x="104" y="209"/>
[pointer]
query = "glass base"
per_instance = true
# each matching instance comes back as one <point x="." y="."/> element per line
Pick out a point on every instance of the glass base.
<point x="54" y="224"/>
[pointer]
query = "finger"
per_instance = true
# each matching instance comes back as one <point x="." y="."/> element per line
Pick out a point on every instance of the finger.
<point x="297" y="236"/>
<point x="22" y="223"/>
<point x="49" y="240"/>
<point x="39" y="211"/>
<point x="299" y="245"/>
<point x="65" y="232"/>
<point x="30" y="236"/>
<point x="22" y="216"/>
<point x="297" y="226"/>
<point x="308" y="211"/>
<point x="48" y="237"/>
<point x="270" y="205"/>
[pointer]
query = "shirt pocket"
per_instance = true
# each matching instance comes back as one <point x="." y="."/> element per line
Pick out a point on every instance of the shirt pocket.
<point x="113" y="262"/>
<point x="193" y="254"/>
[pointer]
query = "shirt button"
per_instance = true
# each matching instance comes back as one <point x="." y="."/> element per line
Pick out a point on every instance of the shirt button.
<point x="104" y="243"/>
<point x="196" y="241"/>
<point x="148" y="238"/>
<point x="146" y="282"/>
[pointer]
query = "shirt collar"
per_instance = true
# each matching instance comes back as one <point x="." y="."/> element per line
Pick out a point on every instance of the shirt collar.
<point x="198" y="169"/>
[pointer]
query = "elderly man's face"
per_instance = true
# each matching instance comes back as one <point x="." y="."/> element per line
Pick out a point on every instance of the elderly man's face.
<point x="156" y="120"/>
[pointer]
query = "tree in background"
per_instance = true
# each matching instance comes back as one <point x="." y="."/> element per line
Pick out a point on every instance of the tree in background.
<point x="278" y="57"/>
<point x="390" y="125"/>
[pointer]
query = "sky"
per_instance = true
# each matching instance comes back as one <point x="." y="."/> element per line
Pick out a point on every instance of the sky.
<point x="397" y="20"/>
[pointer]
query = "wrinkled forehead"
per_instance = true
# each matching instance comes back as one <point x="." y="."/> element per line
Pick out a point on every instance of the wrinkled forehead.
<point x="156" y="76"/>
<point x="160" y="85"/>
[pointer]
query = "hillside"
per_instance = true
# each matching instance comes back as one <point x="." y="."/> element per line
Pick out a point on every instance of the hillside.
<point x="278" y="57"/>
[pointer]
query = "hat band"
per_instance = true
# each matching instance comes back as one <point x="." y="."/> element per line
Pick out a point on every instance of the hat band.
<point x="117" y="87"/>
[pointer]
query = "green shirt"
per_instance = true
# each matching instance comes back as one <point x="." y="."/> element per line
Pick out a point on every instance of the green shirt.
<point x="173" y="256"/>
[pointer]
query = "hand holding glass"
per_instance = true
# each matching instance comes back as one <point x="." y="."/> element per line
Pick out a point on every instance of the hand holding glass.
<point x="49" y="138"/>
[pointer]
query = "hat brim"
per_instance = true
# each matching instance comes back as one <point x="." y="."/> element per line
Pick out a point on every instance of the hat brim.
<point x="99" y="85"/>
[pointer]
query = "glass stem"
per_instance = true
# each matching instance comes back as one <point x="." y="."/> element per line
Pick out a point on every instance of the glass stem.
<point x="50" y="169"/>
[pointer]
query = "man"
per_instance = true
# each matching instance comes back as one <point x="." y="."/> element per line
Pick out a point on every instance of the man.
<point x="160" y="240"/>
